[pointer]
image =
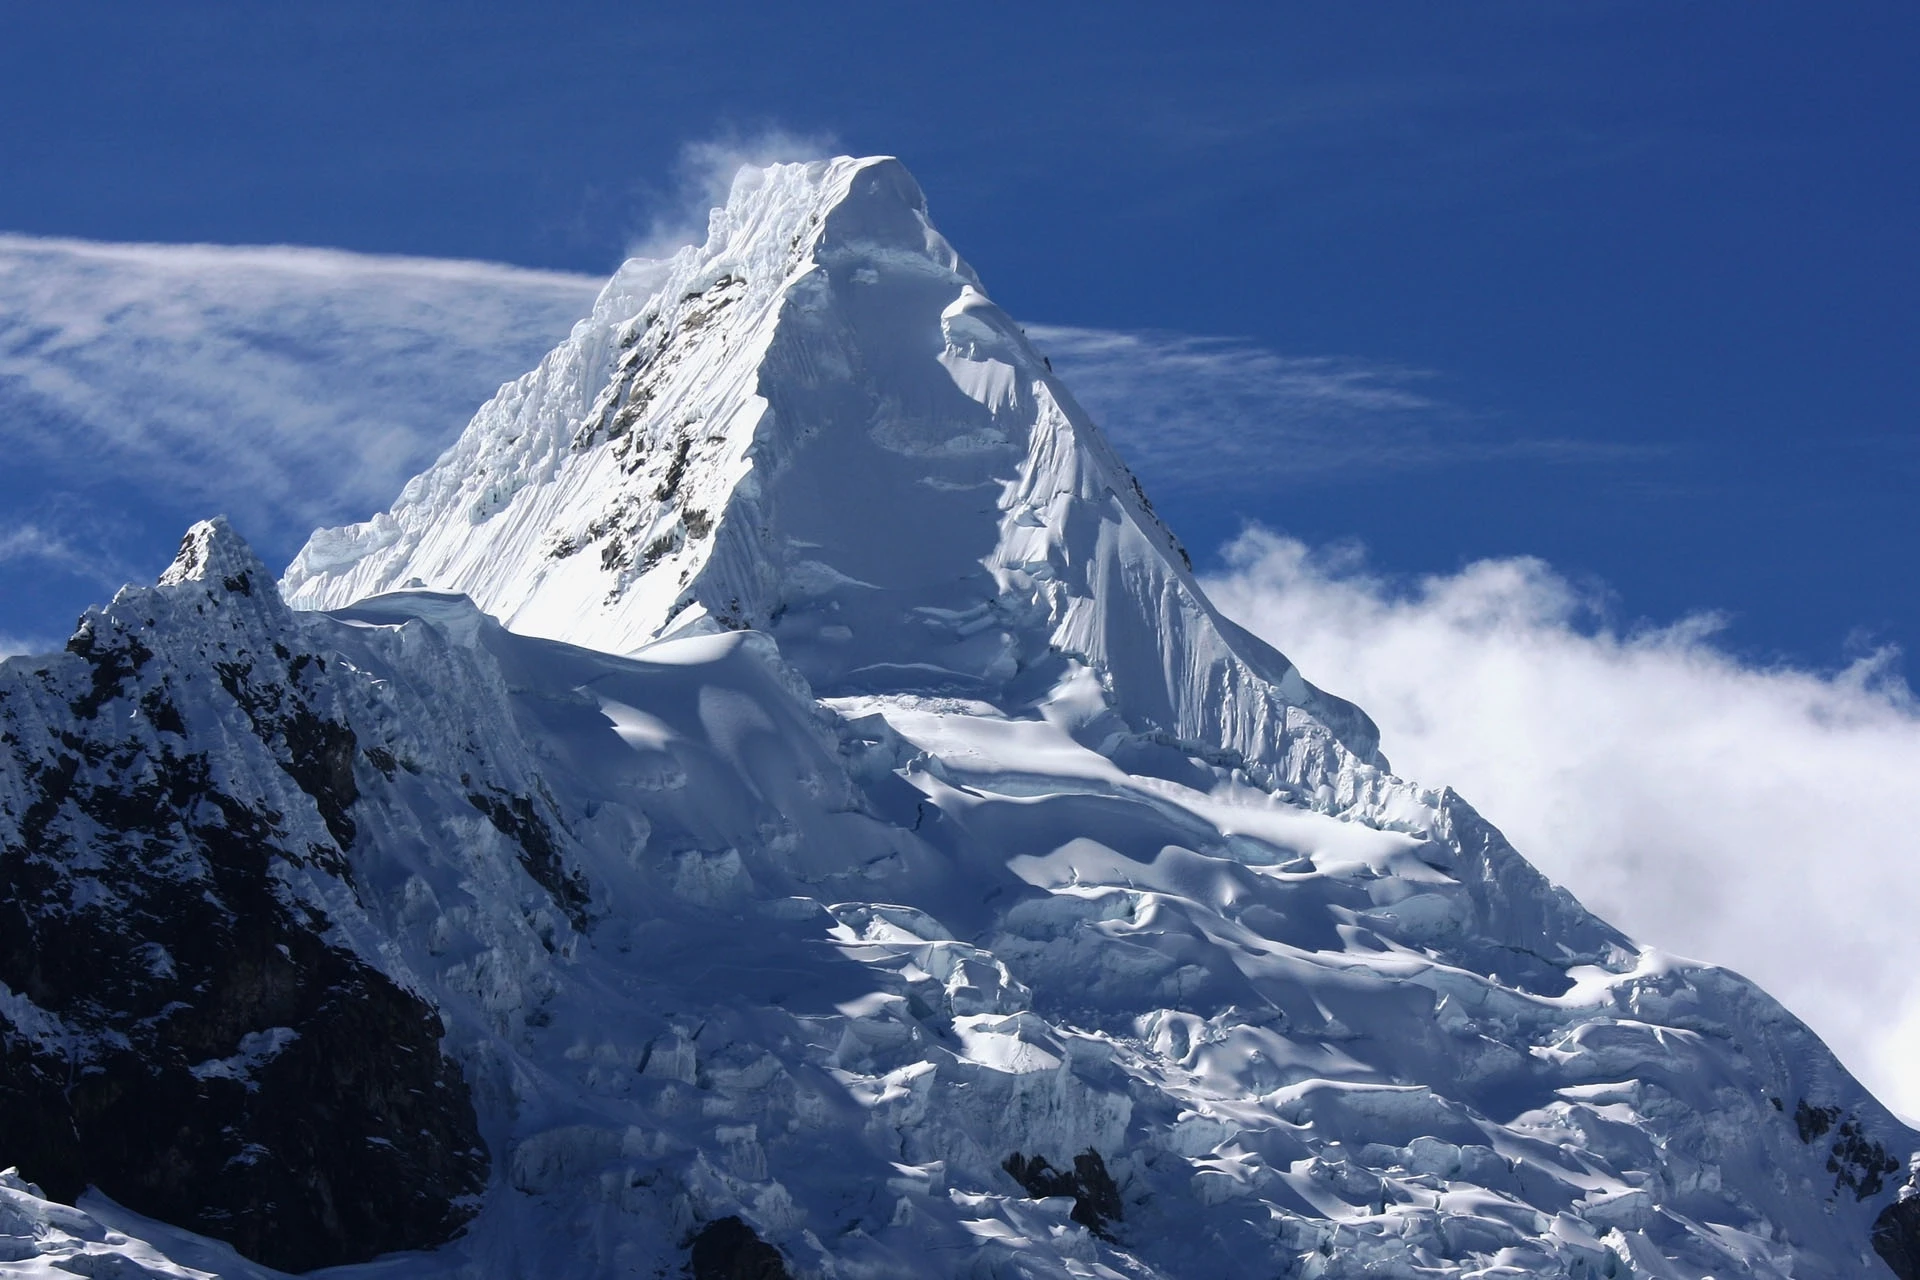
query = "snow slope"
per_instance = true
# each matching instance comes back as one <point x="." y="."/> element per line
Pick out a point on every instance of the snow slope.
<point x="818" y="425"/>
<point x="905" y="870"/>
<point x="707" y="947"/>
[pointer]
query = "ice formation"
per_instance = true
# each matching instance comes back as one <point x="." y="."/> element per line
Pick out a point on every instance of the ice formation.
<point x="817" y="425"/>
<point x="838" y="838"/>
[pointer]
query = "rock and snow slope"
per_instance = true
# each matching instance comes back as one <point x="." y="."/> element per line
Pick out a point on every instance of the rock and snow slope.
<point x="862" y="841"/>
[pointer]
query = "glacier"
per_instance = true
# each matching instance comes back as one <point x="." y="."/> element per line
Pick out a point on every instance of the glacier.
<point x="772" y="800"/>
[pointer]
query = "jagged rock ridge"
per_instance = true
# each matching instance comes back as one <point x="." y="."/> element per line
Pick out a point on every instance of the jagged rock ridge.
<point x="181" y="1028"/>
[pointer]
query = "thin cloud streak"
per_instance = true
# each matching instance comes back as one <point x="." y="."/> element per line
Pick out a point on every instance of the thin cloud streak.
<point x="32" y="544"/>
<point x="287" y="386"/>
<point x="1211" y="413"/>
<point x="1757" y="817"/>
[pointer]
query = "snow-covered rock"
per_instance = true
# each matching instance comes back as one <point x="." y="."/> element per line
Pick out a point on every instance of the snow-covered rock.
<point x="184" y="1019"/>
<point x="862" y="852"/>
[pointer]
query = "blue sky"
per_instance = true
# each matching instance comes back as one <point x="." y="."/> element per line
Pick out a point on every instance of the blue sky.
<point x="1563" y="355"/>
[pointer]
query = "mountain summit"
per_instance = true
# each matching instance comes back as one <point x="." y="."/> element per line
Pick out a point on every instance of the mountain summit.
<point x="772" y="801"/>
<point x="817" y="425"/>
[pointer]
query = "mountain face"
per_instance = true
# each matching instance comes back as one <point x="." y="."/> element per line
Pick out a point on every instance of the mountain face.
<point x="819" y="427"/>
<point x="771" y="800"/>
<point x="186" y="1021"/>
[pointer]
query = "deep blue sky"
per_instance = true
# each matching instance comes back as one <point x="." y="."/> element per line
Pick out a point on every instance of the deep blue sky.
<point x="1658" y="260"/>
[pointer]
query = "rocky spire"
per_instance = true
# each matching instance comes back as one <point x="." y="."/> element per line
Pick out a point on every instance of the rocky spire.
<point x="212" y="552"/>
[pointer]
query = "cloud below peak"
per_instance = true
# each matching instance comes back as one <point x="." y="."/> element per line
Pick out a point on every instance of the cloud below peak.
<point x="1763" y="818"/>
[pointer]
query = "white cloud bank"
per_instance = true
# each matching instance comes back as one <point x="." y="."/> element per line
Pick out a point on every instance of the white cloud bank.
<point x="1766" y="819"/>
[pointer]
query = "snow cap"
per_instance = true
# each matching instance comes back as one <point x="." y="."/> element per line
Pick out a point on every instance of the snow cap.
<point x="818" y="425"/>
<point x="212" y="551"/>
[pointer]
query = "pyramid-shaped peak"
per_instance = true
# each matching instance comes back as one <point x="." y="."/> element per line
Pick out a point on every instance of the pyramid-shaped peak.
<point x="213" y="551"/>
<point x="780" y="216"/>
<point x="818" y="424"/>
<point x="875" y="184"/>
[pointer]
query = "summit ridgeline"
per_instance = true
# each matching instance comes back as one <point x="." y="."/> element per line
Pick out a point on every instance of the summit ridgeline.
<point x="817" y="425"/>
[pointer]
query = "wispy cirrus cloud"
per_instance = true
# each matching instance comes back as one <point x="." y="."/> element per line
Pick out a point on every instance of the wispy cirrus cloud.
<point x="33" y="544"/>
<point x="1759" y="817"/>
<point x="1225" y="414"/>
<point x="287" y="386"/>
<point x="143" y="387"/>
<point x="30" y="550"/>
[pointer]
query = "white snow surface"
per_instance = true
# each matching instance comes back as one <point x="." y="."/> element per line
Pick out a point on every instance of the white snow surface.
<point x="928" y="815"/>
<point x="818" y="425"/>
<point x="51" y="1241"/>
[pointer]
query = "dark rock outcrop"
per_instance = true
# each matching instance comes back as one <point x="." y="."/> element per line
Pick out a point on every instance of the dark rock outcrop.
<point x="1096" y="1200"/>
<point x="728" y="1249"/>
<point x="1896" y="1237"/>
<point x="515" y="816"/>
<point x="1859" y="1164"/>
<point x="1812" y="1122"/>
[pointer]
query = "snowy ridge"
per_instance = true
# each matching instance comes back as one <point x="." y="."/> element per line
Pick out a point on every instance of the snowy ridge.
<point x="861" y="853"/>
<point x="818" y="425"/>
<point x="706" y="949"/>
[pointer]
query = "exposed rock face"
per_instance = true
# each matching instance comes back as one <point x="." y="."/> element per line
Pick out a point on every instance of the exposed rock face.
<point x="179" y="1029"/>
<point x="1896" y="1237"/>
<point x="1896" y="1232"/>
<point x="1096" y="1200"/>
<point x="727" y="1249"/>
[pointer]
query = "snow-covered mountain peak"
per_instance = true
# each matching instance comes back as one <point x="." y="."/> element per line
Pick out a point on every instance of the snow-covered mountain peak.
<point x="603" y="431"/>
<point x="212" y="551"/>
<point x="818" y="425"/>
<point x="903" y="871"/>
